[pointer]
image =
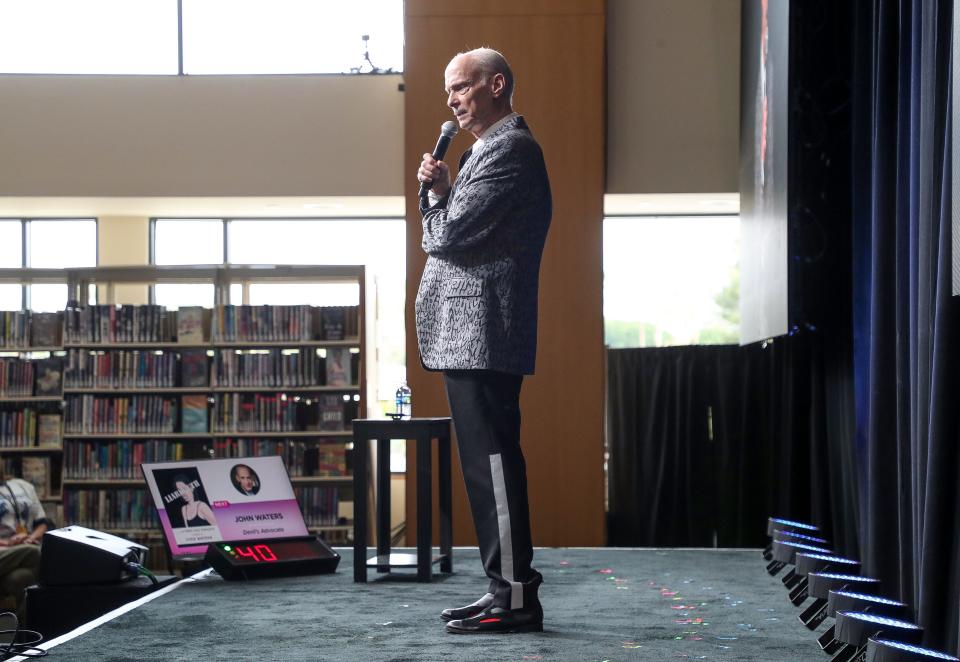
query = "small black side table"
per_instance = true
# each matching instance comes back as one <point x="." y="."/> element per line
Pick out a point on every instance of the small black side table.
<point x="423" y="430"/>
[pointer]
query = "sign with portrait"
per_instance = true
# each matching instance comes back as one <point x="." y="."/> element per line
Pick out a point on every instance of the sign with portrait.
<point x="204" y="501"/>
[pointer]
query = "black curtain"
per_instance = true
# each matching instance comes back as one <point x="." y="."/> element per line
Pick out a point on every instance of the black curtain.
<point x="659" y="472"/>
<point x="906" y="324"/>
<point x="707" y="442"/>
<point x="820" y="270"/>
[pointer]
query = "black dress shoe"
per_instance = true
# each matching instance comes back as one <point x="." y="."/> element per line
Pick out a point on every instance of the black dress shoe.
<point x="456" y="613"/>
<point x="500" y="621"/>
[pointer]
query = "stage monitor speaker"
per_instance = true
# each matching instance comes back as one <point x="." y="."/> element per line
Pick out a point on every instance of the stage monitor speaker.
<point x="77" y="555"/>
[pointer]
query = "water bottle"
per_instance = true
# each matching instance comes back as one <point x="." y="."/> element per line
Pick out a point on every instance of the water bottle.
<point x="404" y="401"/>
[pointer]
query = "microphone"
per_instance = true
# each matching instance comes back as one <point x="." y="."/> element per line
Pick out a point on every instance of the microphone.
<point x="447" y="131"/>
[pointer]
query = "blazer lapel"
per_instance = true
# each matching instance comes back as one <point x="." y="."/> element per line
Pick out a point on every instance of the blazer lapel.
<point x="467" y="163"/>
<point x="464" y="162"/>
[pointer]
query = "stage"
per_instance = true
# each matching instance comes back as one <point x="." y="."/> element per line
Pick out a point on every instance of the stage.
<point x="600" y="604"/>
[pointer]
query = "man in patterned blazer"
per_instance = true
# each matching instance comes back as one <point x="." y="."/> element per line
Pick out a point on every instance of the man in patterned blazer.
<point x="477" y="323"/>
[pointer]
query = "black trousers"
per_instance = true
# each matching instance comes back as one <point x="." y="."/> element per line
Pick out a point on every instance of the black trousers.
<point x="486" y="416"/>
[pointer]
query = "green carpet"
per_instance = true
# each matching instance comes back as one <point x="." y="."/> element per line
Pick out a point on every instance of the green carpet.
<point x="600" y="604"/>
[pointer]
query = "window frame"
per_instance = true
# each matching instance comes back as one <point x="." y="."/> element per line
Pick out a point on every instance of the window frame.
<point x="25" y="239"/>
<point x="647" y="215"/>
<point x="354" y="71"/>
<point x="226" y="220"/>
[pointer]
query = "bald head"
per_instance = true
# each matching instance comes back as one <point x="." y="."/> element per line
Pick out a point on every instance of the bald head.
<point x="488" y="63"/>
<point x="479" y="85"/>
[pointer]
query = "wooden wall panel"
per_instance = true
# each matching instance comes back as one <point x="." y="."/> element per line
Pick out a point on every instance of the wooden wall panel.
<point x="556" y="49"/>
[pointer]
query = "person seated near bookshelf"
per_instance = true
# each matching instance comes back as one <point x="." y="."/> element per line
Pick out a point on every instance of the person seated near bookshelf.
<point x="245" y="480"/>
<point x="22" y="525"/>
<point x="194" y="511"/>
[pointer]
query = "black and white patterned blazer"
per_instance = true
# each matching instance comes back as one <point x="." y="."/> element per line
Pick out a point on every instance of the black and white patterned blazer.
<point x="477" y="303"/>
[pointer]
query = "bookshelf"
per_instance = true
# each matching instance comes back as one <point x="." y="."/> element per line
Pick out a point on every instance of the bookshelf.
<point x="31" y="430"/>
<point x="142" y="384"/>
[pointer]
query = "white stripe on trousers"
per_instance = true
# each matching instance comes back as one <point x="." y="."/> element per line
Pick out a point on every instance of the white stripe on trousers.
<point x="506" y="540"/>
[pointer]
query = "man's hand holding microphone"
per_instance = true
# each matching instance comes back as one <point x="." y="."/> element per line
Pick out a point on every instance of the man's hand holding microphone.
<point x="434" y="173"/>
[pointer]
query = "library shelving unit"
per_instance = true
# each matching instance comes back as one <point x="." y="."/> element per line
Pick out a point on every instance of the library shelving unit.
<point x="31" y="402"/>
<point x="139" y="383"/>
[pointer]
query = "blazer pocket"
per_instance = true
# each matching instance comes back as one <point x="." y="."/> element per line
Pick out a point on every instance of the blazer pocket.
<point x="463" y="287"/>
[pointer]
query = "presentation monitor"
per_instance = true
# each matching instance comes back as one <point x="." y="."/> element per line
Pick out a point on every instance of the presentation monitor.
<point x="233" y="499"/>
<point x="764" y="115"/>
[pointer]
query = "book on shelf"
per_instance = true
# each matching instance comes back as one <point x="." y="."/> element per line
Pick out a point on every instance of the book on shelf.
<point x="49" y="379"/>
<point x="331" y="412"/>
<point x="258" y="412"/>
<point x="320" y="505"/>
<point x="331" y="460"/>
<point x="9" y="467"/>
<point x="14" y="329"/>
<point x="193" y="412"/>
<point x="88" y="413"/>
<point x="194" y="367"/>
<point x="110" y="508"/>
<point x="114" y="324"/>
<point x="355" y="367"/>
<point x="262" y="323"/>
<point x="45" y="329"/>
<point x="332" y="322"/>
<point x="16" y="377"/>
<point x="339" y="366"/>
<point x="339" y="322"/>
<point x="273" y="367"/>
<point x="190" y="325"/>
<point x="36" y="471"/>
<point x="119" y="368"/>
<point x="120" y="459"/>
<point x="284" y="323"/>
<point x="50" y="430"/>
<point x="18" y="428"/>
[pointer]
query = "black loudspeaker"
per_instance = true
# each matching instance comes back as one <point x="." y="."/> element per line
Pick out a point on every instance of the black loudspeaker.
<point x="76" y="555"/>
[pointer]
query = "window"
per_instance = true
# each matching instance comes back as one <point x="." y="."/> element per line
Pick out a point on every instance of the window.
<point x="314" y="294"/>
<point x="11" y="297"/>
<point x="57" y="244"/>
<point x="175" y="295"/>
<point x="188" y="241"/>
<point x="11" y="244"/>
<point x="217" y="36"/>
<point x="44" y="244"/>
<point x="11" y="256"/>
<point x="671" y="280"/>
<point x="290" y="36"/>
<point x="88" y="37"/>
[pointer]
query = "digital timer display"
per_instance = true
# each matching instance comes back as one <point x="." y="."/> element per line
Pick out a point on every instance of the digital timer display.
<point x="275" y="557"/>
<point x="250" y="553"/>
<point x="277" y="550"/>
